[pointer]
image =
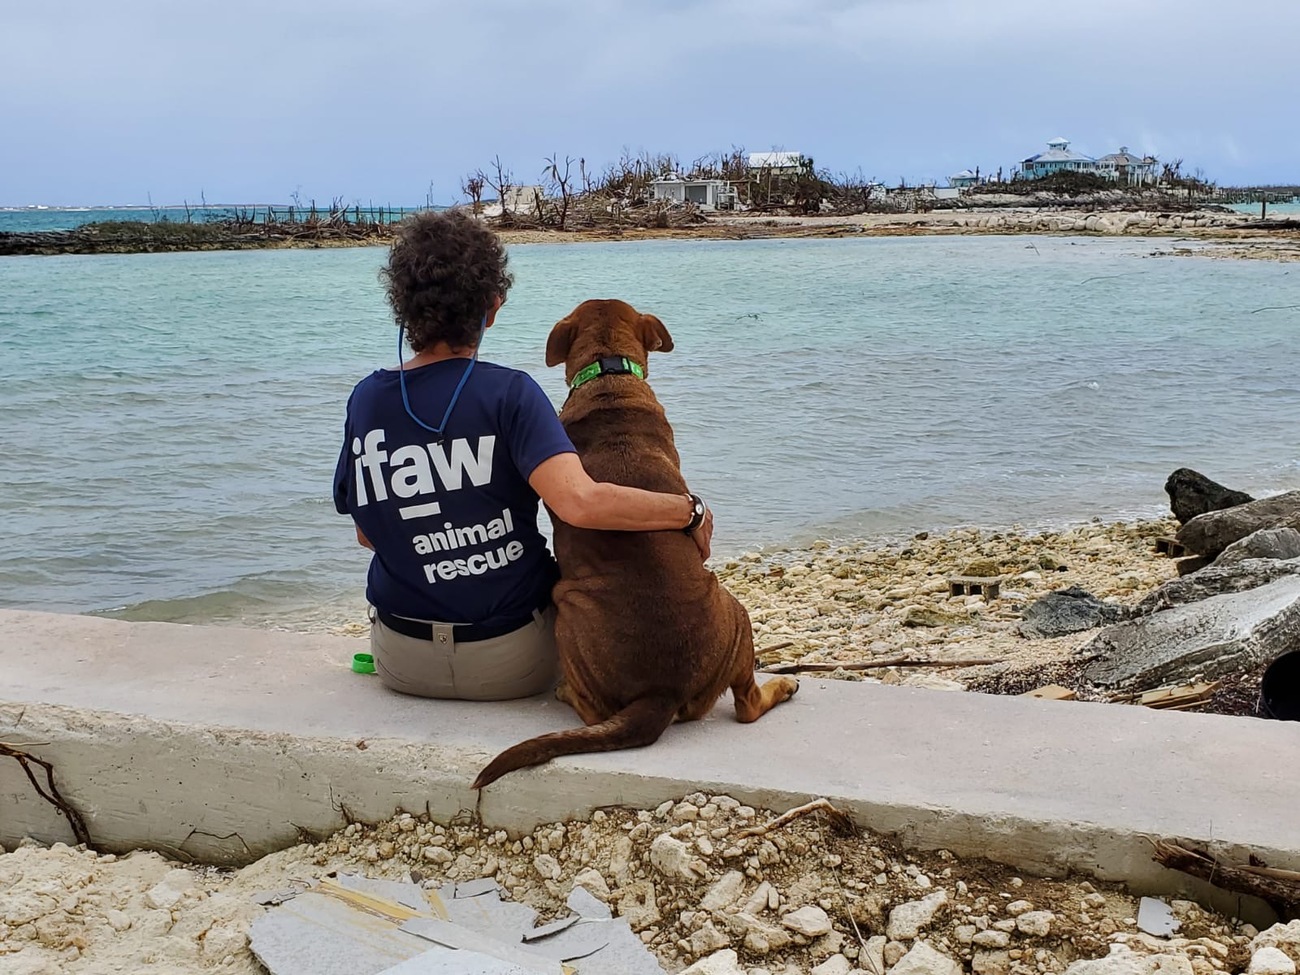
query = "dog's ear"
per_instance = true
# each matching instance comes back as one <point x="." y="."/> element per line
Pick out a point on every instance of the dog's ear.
<point x="654" y="336"/>
<point x="560" y="340"/>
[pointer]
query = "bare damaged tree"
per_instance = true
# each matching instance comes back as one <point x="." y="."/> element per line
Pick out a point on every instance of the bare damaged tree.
<point x="502" y="181"/>
<point x="559" y="183"/>
<point x="472" y="186"/>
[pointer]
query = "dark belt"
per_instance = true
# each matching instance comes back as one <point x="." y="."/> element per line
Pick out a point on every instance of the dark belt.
<point x="461" y="632"/>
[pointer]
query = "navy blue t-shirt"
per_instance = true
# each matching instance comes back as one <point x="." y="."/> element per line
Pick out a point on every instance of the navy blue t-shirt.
<point x="454" y="524"/>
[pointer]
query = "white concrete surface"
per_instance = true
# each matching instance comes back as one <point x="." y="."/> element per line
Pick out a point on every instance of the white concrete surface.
<point x="224" y="744"/>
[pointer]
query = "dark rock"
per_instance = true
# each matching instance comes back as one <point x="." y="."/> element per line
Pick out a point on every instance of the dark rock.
<point x="1067" y="611"/>
<point x="1267" y="543"/>
<point x="1193" y="563"/>
<point x="1191" y="494"/>
<point x="1215" y="580"/>
<point x="1219" y="635"/>
<point x="1209" y="534"/>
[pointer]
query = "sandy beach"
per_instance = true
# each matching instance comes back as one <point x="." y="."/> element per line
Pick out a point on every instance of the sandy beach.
<point x="1197" y="233"/>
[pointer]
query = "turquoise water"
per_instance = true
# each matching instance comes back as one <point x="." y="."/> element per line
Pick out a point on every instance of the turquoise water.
<point x="1291" y="209"/>
<point x="32" y="219"/>
<point x="171" y="421"/>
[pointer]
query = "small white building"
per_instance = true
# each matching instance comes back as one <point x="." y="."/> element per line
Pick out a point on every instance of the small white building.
<point x="963" y="179"/>
<point x="707" y="194"/>
<point x="778" y="163"/>
<point x="523" y="199"/>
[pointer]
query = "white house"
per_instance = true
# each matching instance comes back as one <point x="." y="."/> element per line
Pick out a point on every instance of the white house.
<point x="707" y="194"/>
<point x="1124" y="167"/>
<point x="963" y="179"/>
<point x="778" y="163"/>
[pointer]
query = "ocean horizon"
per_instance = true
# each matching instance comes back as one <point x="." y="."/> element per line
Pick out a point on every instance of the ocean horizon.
<point x="173" y="419"/>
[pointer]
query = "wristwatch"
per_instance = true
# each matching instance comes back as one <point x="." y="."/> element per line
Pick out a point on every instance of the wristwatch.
<point x="698" y="511"/>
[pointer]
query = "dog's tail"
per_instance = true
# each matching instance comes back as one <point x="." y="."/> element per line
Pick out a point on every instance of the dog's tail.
<point x="639" y="724"/>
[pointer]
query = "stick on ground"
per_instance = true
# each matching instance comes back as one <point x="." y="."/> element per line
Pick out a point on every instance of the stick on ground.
<point x="873" y="665"/>
<point x="1280" y="889"/>
<point x="52" y="796"/>
<point x="840" y="821"/>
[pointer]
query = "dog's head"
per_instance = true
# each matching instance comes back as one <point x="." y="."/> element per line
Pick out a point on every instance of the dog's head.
<point x="605" y="327"/>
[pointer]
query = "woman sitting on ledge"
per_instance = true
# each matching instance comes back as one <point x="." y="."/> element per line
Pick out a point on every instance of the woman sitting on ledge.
<point x="444" y="459"/>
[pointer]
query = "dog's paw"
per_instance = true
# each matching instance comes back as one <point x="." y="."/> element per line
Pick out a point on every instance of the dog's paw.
<point x="788" y="688"/>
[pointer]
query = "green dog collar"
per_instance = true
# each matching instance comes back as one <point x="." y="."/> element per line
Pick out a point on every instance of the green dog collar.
<point x="610" y="365"/>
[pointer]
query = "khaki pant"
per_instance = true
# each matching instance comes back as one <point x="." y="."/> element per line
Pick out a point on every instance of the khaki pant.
<point x="517" y="664"/>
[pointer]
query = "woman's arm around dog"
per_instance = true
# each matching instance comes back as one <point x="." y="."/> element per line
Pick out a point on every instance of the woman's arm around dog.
<point x="568" y="490"/>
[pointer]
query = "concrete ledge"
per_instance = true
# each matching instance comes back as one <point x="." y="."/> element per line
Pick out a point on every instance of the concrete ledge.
<point x="224" y="744"/>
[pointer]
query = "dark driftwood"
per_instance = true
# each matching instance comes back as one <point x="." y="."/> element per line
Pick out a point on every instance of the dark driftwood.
<point x="1280" y="889"/>
<point x="51" y="796"/>
<point x="873" y="665"/>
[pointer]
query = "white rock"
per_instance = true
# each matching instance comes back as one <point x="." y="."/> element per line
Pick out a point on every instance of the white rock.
<point x="620" y="858"/>
<point x="224" y="939"/>
<point x="637" y="903"/>
<point x="724" y="962"/>
<point x="834" y="965"/>
<point x="992" y="939"/>
<point x="547" y="867"/>
<point x="1270" y="961"/>
<point x="725" y="892"/>
<point x="875" y="954"/>
<point x="810" y="921"/>
<point x="761" y="899"/>
<point x="907" y="920"/>
<point x="1283" y="936"/>
<point x="671" y="857"/>
<point x="924" y="960"/>
<point x="1016" y="908"/>
<point x="894" y="952"/>
<point x="707" y="939"/>
<point x="760" y="937"/>
<point x="161" y="897"/>
<point x="594" y="882"/>
<point x="1124" y="961"/>
<point x="1036" y="924"/>
<point x="990" y="963"/>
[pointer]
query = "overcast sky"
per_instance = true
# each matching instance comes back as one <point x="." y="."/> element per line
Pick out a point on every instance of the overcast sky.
<point x="389" y="100"/>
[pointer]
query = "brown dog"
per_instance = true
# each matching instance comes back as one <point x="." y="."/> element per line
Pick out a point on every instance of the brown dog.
<point x="645" y="632"/>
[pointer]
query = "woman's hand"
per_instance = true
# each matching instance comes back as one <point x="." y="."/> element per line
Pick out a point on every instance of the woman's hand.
<point x="703" y="536"/>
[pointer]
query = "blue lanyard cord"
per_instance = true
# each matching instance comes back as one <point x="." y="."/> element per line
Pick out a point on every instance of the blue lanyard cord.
<point x="406" y="401"/>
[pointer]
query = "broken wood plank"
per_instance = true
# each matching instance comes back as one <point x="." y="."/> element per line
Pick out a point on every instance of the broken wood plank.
<point x="1052" y="692"/>
<point x="1172" y="698"/>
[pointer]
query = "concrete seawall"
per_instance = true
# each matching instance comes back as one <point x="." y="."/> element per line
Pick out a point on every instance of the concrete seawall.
<point x="223" y="744"/>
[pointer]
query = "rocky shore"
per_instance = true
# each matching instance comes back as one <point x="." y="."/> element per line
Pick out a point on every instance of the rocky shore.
<point x="1275" y="238"/>
<point x="712" y="887"/>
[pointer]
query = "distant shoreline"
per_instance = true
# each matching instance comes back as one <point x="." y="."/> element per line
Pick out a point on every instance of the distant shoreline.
<point x="1277" y="238"/>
